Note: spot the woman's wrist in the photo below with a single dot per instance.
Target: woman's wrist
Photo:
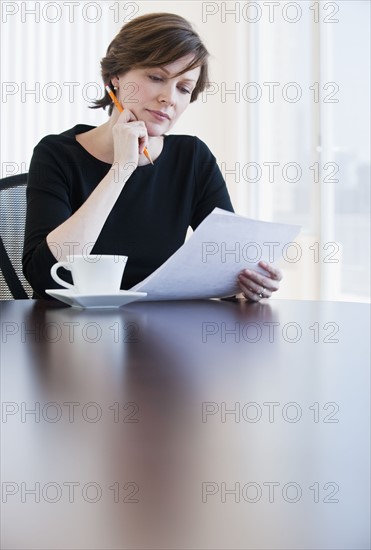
(122, 170)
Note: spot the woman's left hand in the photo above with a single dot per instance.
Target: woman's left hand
(256, 286)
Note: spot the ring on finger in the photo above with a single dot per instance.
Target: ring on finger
(261, 293)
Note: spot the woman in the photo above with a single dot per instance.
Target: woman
(92, 190)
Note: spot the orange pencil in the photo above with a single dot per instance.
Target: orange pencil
(120, 108)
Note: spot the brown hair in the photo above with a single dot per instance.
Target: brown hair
(153, 40)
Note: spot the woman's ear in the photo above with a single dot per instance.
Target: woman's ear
(115, 81)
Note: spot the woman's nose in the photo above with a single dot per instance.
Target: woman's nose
(168, 94)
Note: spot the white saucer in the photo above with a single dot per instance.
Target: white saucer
(69, 297)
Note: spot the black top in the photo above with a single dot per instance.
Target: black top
(150, 219)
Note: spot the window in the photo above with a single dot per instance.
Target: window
(311, 143)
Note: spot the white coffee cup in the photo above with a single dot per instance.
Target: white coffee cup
(98, 274)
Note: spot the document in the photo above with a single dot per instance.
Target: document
(208, 263)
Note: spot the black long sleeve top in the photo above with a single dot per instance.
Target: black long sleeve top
(150, 219)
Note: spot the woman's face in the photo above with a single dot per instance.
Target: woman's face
(150, 91)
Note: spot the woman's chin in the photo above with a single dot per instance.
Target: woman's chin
(155, 133)
(156, 130)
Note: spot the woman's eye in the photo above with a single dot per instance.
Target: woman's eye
(155, 78)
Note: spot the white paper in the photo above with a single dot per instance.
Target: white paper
(208, 263)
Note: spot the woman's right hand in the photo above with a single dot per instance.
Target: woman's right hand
(130, 137)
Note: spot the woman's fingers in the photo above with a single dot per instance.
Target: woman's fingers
(253, 289)
(256, 286)
(252, 296)
(130, 137)
(256, 281)
(126, 116)
(274, 272)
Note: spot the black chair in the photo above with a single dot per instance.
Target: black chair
(13, 284)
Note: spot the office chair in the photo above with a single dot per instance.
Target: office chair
(13, 284)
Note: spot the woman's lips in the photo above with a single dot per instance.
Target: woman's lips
(158, 116)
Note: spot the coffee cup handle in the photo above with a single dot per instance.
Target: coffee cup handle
(55, 276)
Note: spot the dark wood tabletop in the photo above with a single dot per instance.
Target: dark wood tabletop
(202, 424)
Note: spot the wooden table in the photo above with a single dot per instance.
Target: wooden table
(203, 424)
